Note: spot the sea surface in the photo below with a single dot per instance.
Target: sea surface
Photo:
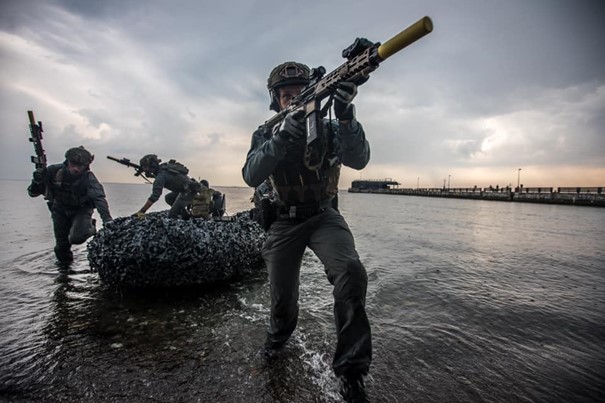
(469, 301)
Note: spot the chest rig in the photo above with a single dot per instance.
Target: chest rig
(69, 190)
(298, 185)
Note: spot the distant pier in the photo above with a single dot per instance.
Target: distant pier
(577, 196)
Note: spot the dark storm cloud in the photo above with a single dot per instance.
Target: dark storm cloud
(498, 84)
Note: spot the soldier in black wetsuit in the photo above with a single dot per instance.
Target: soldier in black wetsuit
(171, 175)
(73, 192)
(306, 215)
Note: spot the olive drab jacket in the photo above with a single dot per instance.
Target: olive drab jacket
(68, 192)
(296, 184)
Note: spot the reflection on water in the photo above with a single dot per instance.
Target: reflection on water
(468, 300)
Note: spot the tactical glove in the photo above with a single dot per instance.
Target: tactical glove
(38, 175)
(292, 129)
(139, 215)
(343, 98)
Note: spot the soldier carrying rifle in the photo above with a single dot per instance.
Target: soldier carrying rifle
(188, 197)
(306, 215)
(300, 151)
(72, 191)
(171, 175)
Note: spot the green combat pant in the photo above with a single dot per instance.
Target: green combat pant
(71, 227)
(330, 238)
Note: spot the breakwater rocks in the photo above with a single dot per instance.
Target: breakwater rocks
(158, 251)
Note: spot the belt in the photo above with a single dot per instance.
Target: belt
(301, 212)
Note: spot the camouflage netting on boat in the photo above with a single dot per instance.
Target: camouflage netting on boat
(159, 251)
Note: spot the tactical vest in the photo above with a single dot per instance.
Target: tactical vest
(296, 184)
(176, 179)
(69, 190)
(174, 167)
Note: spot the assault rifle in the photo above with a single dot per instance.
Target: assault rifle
(39, 159)
(138, 169)
(36, 130)
(363, 57)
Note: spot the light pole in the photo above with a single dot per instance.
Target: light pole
(518, 179)
(448, 182)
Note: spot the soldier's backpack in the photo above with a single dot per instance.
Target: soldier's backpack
(175, 167)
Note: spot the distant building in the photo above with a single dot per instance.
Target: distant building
(374, 184)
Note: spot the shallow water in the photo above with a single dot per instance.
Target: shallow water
(469, 301)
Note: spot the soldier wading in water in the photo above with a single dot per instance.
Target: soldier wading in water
(306, 215)
(73, 192)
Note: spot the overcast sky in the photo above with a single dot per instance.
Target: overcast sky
(497, 86)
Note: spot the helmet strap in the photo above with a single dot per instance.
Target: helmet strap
(274, 106)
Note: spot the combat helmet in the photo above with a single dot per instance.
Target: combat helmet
(150, 162)
(79, 155)
(288, 73)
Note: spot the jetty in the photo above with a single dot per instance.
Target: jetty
(577, 196)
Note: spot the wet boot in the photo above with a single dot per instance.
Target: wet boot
(271, 349)
(64, 255)
(352, 388)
